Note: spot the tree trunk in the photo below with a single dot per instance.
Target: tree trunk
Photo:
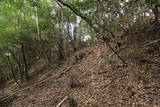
(20, 67)
(156, 13)
(12, 71)
(25, 62)
(70, 37)
(92, 24)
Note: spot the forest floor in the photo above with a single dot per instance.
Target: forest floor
(99, 77)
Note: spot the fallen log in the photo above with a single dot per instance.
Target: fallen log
(38, 83)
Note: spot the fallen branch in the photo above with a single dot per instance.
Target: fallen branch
(92, 24)
(153, 46)
(60, 103)
(153, 43)
(40, 82)
(116, 53)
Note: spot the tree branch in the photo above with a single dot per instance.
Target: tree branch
(64, 99)
(92, 24)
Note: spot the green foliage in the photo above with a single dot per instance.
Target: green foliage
(152, 1)
(59, 31)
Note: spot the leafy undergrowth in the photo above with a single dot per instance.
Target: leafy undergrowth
(99, 79)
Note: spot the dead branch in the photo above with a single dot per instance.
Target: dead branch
(92, 24)
(155, 42)
(60, 103)
(38, 83)
(78, 13)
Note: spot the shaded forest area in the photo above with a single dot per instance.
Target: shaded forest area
(79, 53)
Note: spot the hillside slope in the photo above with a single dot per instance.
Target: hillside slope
(100, 79)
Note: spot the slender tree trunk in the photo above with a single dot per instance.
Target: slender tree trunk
(60, 39)
(12, 71)
(92, 24)
(37, 24)
(70, 37)
(156, 13)
(25, 62)
(20, 67)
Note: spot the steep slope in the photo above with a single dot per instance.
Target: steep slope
(100, 79)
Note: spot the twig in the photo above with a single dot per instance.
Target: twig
(152, 43)
(60, 103)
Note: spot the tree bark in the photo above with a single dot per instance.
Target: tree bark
(20, 67)
(12, 71)
(25, 62)
(70, 37)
